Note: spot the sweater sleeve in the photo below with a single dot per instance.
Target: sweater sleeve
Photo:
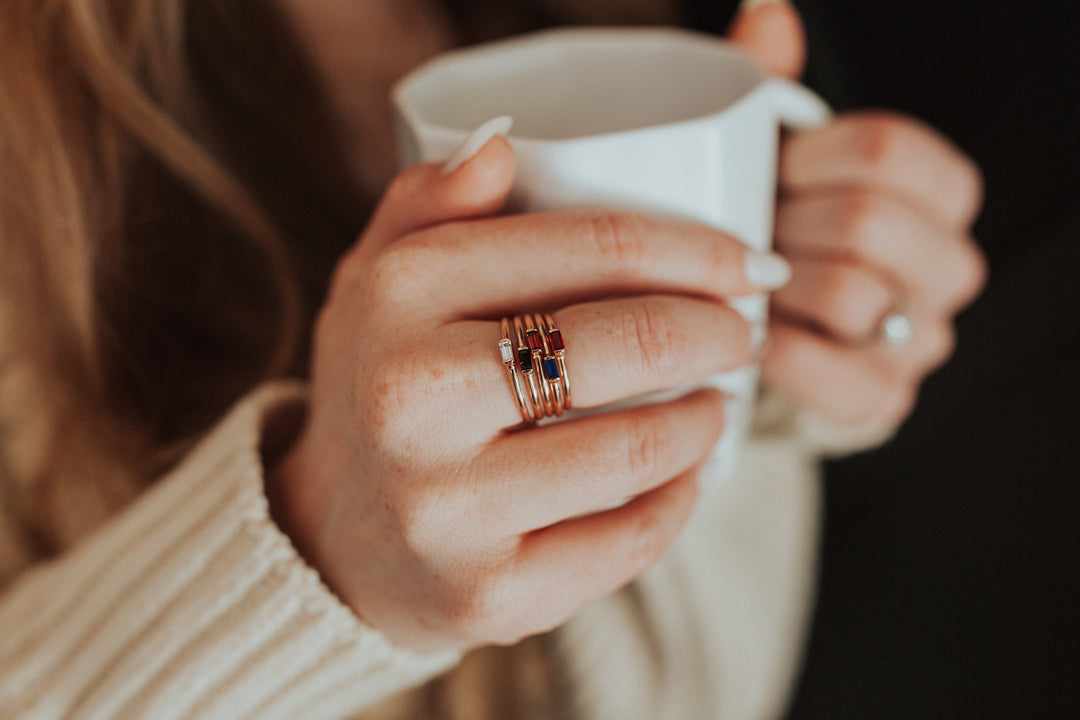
(192, 603)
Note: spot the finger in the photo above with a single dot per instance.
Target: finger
(423, 195)
(615, 349)
(848, 385)
(772, 33)
(566, 565)
(890, 153)
(588, 464)
(844, 299)
(486, 268)
(937, 268)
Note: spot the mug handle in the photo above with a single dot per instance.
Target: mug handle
(797, 107)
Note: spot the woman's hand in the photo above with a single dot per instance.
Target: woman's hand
(875, 212)
(875, 216)
(414, 490)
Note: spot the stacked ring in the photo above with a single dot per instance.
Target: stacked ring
(558, 347)
(506, 350)
(534, 353)
(527, 367)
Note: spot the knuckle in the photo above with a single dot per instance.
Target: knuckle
(719, 259)
(651, 334)
(882, 143)
(650, 540)
(863, 215)
(417, 517)
(646, 446)
(938, 345)
(618, 240)
(853, 300)
(404, 184)
(390, 278)
(401, 270)
(898, 403)
(391, 398)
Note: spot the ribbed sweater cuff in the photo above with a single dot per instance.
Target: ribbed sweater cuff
(191, 603)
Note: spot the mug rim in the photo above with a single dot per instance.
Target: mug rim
(404, 88)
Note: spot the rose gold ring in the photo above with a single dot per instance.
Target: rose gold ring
(558, 347)
(506, 351)
(535, 340)
(534, 353)
(527, 368)
(549, 366)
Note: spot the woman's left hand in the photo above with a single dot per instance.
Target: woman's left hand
(875, 214)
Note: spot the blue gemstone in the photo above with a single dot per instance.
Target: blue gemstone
(551, 368)
(525, 360)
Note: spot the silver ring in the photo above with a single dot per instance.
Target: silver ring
(895, 329)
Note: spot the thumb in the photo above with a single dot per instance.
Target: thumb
(772, 33)
(474, 182)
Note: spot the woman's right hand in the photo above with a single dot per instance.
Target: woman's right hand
(415, 490)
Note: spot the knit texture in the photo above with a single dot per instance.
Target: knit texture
(192, 604)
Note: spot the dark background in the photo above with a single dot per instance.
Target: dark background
(949, 580)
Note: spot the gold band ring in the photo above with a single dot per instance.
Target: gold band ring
(558, 346)
(534, 353)
(534, 339)
(528, 369)
(506, 351)
(550, 367)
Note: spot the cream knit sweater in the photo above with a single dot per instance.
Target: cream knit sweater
(190, 603)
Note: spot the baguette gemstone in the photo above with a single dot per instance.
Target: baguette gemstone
(525, 359)
(551, 368)
(507, 351)
(532, 337)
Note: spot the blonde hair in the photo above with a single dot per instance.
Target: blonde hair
(143, 240)
(144, 286)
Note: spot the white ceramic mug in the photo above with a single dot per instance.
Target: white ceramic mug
(656, 120)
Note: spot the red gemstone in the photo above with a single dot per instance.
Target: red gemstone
(532, 336)
(556, 340)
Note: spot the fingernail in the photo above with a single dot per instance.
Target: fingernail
(747, 5)
(767, 270)
(477, 140)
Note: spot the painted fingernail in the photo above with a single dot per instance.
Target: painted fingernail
(767, 270)
(477, 140)
(747, 5)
